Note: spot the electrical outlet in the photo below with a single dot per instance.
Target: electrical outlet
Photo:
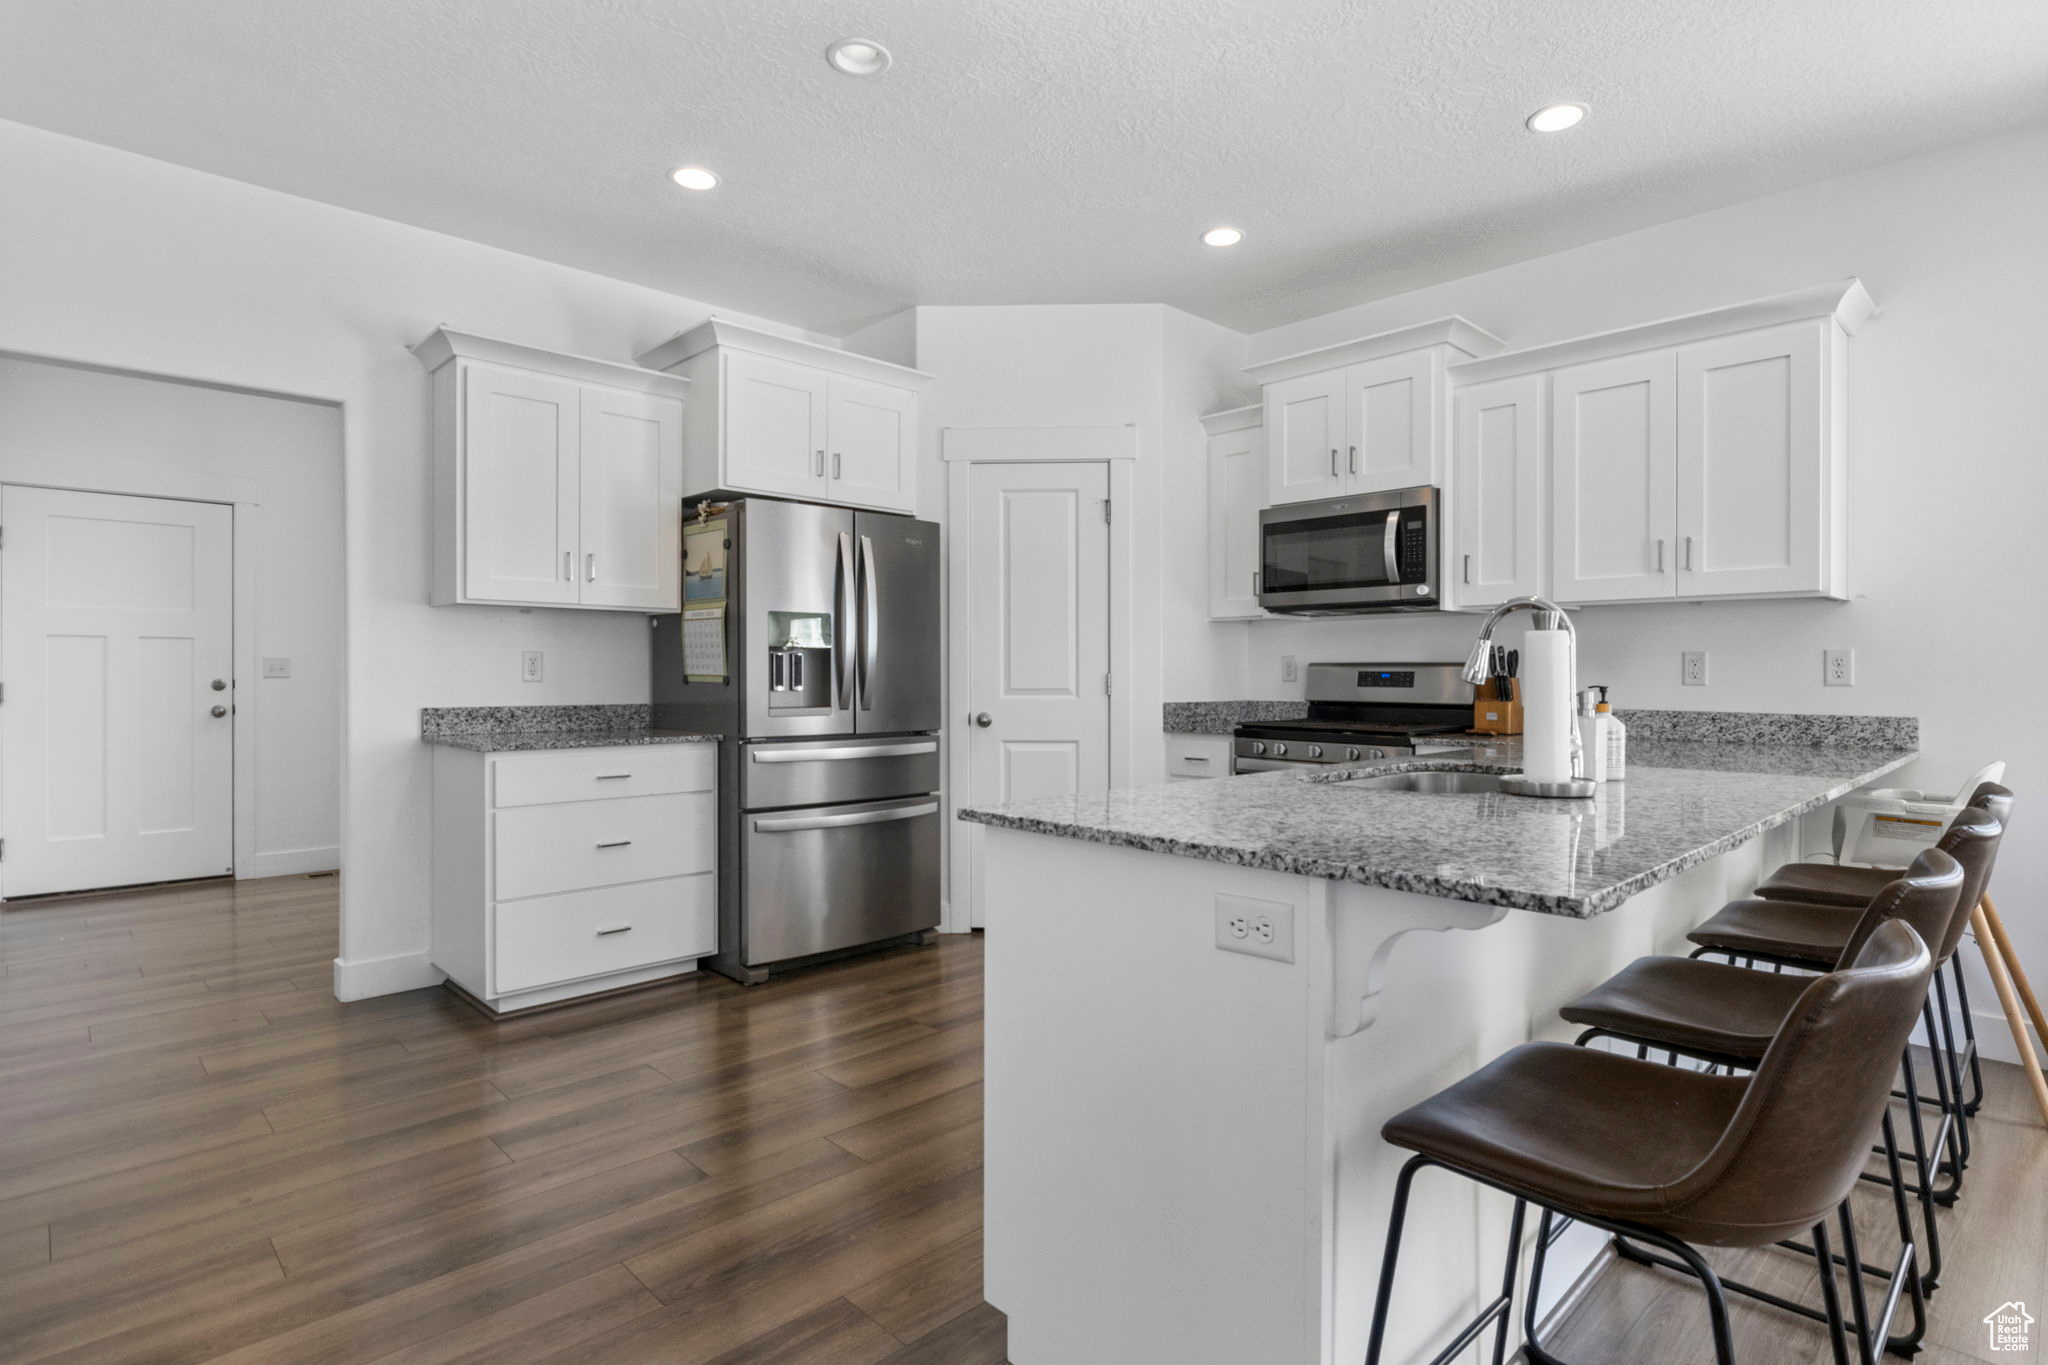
(1692, 669)
(1254, 927)
(277, 668)
(529, 666)
(1838, 667)
(1289, 670)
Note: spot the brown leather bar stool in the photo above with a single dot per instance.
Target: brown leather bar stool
(1811, 936)
(1678, 1158)
(1831, 884)
(1727, 1016)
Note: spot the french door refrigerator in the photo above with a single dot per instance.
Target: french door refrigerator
(829, 704)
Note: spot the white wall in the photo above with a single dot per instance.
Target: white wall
(291, 452)
(1948, 477)
(112, 259)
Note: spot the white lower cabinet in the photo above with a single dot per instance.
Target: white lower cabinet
(565, 873)
(1197, 755)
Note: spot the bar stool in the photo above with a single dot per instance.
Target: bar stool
(1832, 884)
(1678, 1158)
(1811, 936)
(1727, 1016)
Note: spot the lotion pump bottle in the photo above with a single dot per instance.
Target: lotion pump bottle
(1594, 749)
(1613, 738)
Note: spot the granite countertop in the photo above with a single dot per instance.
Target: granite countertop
(1681, 803)
(523, 729)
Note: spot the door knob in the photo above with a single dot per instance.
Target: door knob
(220, 684)
(219, 711)
(984, 719)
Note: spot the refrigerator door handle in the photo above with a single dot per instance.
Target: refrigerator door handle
(842, 607)
(870, 622)
(860, 817)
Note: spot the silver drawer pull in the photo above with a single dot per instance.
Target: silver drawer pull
(616, 843)
(611, 777)
(1193, 758)
(623, 928)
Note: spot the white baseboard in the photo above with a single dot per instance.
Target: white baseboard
(384, 976)
(287, 862)
(1994, 1038)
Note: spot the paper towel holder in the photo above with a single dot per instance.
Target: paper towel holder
(1479, 667)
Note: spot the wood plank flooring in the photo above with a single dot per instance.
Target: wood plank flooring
(203, 1156)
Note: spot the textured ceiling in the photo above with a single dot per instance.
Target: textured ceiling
(1026, 150)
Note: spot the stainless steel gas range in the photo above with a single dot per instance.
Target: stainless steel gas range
(1359, 711)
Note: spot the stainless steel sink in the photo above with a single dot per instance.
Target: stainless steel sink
(1436, 783)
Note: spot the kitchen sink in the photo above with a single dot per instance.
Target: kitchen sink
(1436, 783)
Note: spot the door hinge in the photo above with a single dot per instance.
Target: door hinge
(1107, 689)
(1105, 511)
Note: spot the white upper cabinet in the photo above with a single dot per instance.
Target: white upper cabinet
(1237, 487)
(1365, 416)
(770, 414)
(1698, 457)
(1498, 493)
(1614, 441)
(557, 478)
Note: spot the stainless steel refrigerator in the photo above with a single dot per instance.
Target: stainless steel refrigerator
(829, 704)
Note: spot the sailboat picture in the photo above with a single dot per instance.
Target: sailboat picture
(704, 561)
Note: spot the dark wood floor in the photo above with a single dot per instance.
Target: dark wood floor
(204, 1157)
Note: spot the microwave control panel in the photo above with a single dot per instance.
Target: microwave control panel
(1413, 545)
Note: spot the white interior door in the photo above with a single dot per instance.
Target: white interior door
(116, 618)
(1038, 648)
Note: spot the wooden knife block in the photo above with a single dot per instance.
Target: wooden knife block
(1490, 717)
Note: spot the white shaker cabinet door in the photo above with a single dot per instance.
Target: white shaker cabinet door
(1500, 505)
(1237, 488)
(1390, 425)
(631, 501)
(1751, 464)
(1614, 433)
(872, 445)
(522, 434)
(775, 425)
(1305, 436)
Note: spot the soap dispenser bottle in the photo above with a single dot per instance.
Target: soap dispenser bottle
(1612, 736)
(1593, 746)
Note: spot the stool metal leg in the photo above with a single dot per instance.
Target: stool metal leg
(1945, 1054)
(1824, 1261)
(1386, 1290)
(1976, 1100)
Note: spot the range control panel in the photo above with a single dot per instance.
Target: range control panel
(1401, 679)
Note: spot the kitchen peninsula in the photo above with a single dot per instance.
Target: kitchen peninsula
(1204, 998)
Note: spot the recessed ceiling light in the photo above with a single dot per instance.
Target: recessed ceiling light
(694, 178)
(1222, 236)
(858, 56)
(1555, 118)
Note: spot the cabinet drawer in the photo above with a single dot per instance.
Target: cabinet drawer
(545, 849)
(590, 774)
(1197, 756)
(613, 929)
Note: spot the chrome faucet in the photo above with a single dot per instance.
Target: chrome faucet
(1549, 616)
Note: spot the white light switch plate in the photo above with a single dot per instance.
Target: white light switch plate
(277, 668)
(1255, 927)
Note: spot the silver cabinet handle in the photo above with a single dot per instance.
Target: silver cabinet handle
(568, 566)
(794, 755)
(842, 624)
(590, 566)
(1255, 582)
(1354, 459)
(821, 464)
(870, 621)
(616, 843)
(1660, 554)
(984, 719)
(835, 464)
(1468, 568)
(859, 817)
(619, 929)
(611, 777)
(1193, 758)
(1688, 553)
(218, 712)
(1333, 462)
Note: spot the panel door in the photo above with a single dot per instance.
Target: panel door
(1614, 461)
(1237, 487)
(873, 445)
(630, 500)
(775, 426)
(1751, 456)
(1038, 649)
(1498, 499)
(1390, 423)
(116, 620)
(521, 435)
(1305, 436)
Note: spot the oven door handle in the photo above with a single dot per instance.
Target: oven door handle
(1391, 547)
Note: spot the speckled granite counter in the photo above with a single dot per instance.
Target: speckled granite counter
(1682, 803)
(520, 729)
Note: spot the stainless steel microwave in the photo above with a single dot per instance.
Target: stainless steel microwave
(1345, 556)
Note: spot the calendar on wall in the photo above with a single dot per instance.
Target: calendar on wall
(704, 577)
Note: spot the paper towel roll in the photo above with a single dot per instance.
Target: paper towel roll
(1547, 706)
